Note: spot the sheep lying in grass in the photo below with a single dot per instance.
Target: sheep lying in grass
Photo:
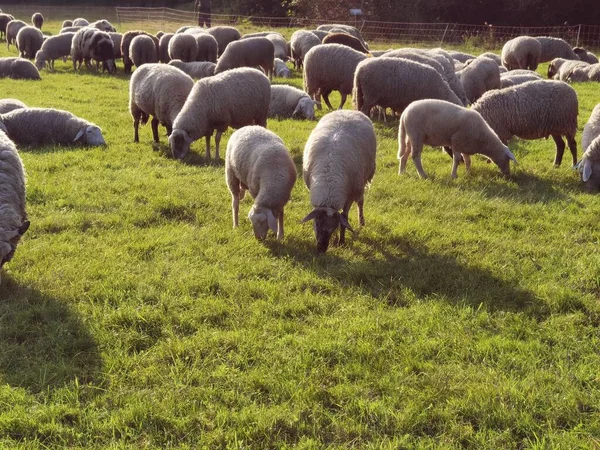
(18, 69)
(258, 161)
(560, 68)
(10, 104)
(584, 73)
(590, 161)
(441, 123)
(585, 55)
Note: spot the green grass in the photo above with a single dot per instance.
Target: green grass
(463, 315)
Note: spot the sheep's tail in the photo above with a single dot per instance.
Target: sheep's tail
(402, 138)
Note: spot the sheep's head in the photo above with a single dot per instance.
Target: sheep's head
(551, 70)
(91, 135)
(180, 141)
(109, 66)
(326, 221)
(7, 248)
(590, 169)
(40, 59)
(306, 108)
(504, 159)
(262, 220)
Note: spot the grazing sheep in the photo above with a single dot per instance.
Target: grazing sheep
(493, 56)
(157, 90)
(126, 43)
(290, 102)
(395, 83)
(555, 48)
(251, 52)
(224, 36)
(320, 34)
(47, 126)
(142, 50)
(279, 45)
(478, 77)
(91, 43)
(300, 43)
(522, 52)
(117, 39)
(184, 47)
(260, 34)
(460, 56)
(13, 217)
(70, 30)
(338, 162)
(584, 73)
(590, 161)
(258, 161)
(163, 47)
(560, 68)
(518, 76)
(345, 39)
(10, 104)
(281, 69)
(344, 28)
(533, 110)
(195, 69)
(54, 47)
(4, 20)
(329, 68)
(67, 23)
(103, 25)
(80, 22)
(184, 28)
(207, 47)
(586, 56)
(12, 29)
(18, 69)
(437, 122)
(37, 20)
(29, 41)
(235, 98)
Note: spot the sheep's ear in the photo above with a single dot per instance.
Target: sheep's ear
(345, 222)
(79, 135)
(587, 170)
(297, 111)
(23, 228)
(311, 215)
(316, 103)
(510, 155)
(187, 137)
(271, 220)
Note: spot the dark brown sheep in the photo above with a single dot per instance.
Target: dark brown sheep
(345, 39)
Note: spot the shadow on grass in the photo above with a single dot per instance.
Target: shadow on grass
(44, 344)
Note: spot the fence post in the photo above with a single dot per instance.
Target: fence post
(578, 33)
(118, 17)
(445, 31)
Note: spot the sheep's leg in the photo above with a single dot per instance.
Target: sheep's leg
(235, 208)
(404, 157)
(344, 96)
(217, 141)
(317, 98)
(361, 215)
(560, 149)
(417, 148)
(280, 225)
(455, 163)
(207, 154)
(169, 129)
(448, 150)
(154, 124)
(467, 159)
(326, 99)
(136, 125)
(573, 147)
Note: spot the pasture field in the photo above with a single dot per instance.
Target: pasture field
(465, 314)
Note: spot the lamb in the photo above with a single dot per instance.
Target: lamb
(533, 110)
(235, 98)
(555, 48)
(10, 104)
(395, 83)
(560, 68)
(281, 69)
(54, 47)
(300, 43)
(195, 69)
(37, 20)
(224, 36)
(126, 43)
(47, 126)
(12, 29)
(184, 47)
(103, 25)
(586, 56)
(157, 90)
(346, 29)
(522, 52)
(18, 69)
(329, 68)
(67, 23)
(142, 50)
(249, 52)
(163, 47)
(13, 216)
(4, 20)
(258, 161)
(478, 77)
(590, 161)
(338, 162)
(80, 22)
(345, 39)
(91, 43)
(518, 76)
(584, 73)
(290, 102)
(437, 122)
(29, 41)
(279, 45)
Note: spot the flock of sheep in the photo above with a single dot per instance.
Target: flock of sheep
(197, 81)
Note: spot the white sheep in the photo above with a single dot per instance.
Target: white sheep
(460, 56)
(224, 36)
(103, 25)
(235, 98)
(195, 69)
(560, 68)
(533, 110)
(37, 20)
(117, 39)
(126, 43)
(29, 41)
(80, 22)
(300, 43)
(13, 217)
(18, 69)
(183, 46)
(251, 52)
(290, 102)
(480, 76)
(91, 43)
(54, 47)
(12, 29)
(590, 72)
(279, 45)
(338, 162)
(48, 126)
(518, 76)
(522, 52)
(207, 47)
(4, 20)
(258, 161)
(441, 123)
(281, 69)
(589, 165)
(585, 55)
(10, 104)
(163, 47)
(67, 23)
(553, 47)
(142, 50)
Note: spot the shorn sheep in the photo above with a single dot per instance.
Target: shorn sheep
(258, 161)
(590, 161)
(440, 123)
(338, 162)
(533, 110)
(37, 20)
(142, 50)
(251, 52)
(157, 90)
(235, 98)
(522, 52)
(47, 126)
(290, 102)
(13, 217)
(18, 69)
(29, 41)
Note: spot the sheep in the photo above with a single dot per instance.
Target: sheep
(18, 69)
(54, 47)
(289, 102)
(117, 39)
(224, 36)
(338, 162)
(159, 34)
(126, 43)
(438, 122)
(13, 215)
(345, 39)
(184, 28)
(555, 48)
(195, 69)
(4, 20)
(281, 69)
(584, 73)
(103, 25)
(12, 29)
(518, 76)
(560, 68)
(70, 30)
(91, 43)
(80, 22)
(157, 90)
(163, 47)
(300, 43)
(395, 83)
(10, 104)
(279, 45)
(207, 47)
(233, 98)
(260, 34)
(183, 46)
(460, 56)
(589, 165)
(344, 28)
(493, 56)
(522, 52)
(533, 110)
(586, 56)
(67, 23)
(478, 77)
(320, 34)
(258, 161)
(48, 126)
(37, 20)
(249, 52)
(29, 41)
(142, 50)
